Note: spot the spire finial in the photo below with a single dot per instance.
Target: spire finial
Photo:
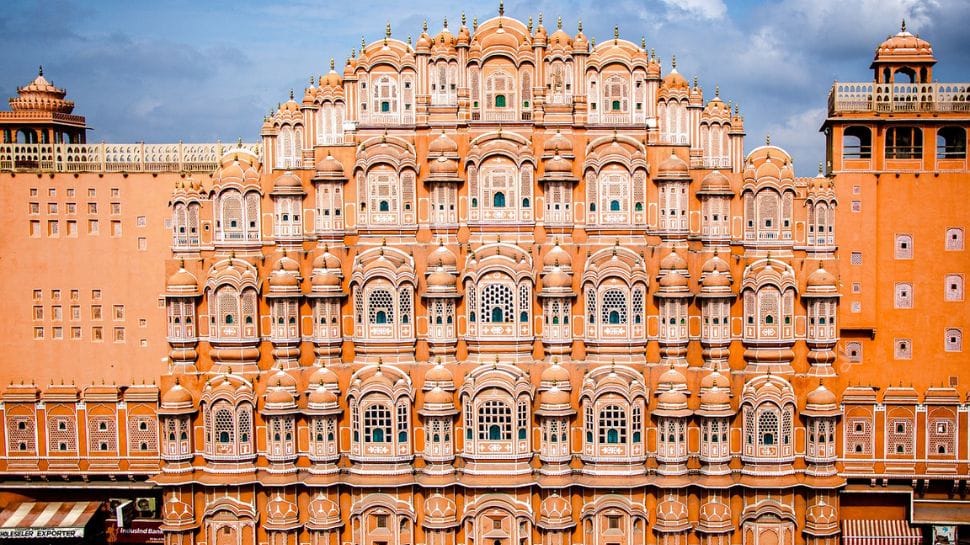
(673, 61)
(643, 43)
(463, 19)
(616, 32)
(540, 18)
(528, 25)
(40, 68)
(332, 63)
(475, 23)
(501, 8)
(717, 91)
(579, 25)
(353, 54)
(424, 26)
(387, 30)
(446, 22)
(363, 45)
(291, 94)
(819, 168)
(409, 40)
(902, 27)
(559, 23)
(695, 82)
(767, 139)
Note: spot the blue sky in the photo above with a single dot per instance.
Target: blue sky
(162, 71)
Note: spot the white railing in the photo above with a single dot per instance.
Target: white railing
(899, 97)
(102, 157)
(405, 118)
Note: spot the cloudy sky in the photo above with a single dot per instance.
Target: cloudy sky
(162, 71)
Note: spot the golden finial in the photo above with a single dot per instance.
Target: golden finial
(559, 23)
(616, 32)
(387, 30)
(501, 8)
(902, 28)
(332, 64)
(673, 61)
(592, 41)
(528, 25)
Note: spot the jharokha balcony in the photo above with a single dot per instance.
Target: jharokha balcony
(899, 97)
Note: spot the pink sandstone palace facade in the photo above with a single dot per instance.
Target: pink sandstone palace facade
(501, 286)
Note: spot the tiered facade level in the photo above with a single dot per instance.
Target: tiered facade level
(503, 287)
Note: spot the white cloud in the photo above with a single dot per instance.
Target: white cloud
(798, 135)
(703, 9)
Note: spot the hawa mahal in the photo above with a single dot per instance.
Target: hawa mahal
(504, 285)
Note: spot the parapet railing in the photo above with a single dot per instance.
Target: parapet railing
(103, 157)
(899, 97)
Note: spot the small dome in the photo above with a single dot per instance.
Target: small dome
(672, 399)
(441, 279)
(715, 380)
(443, 144)
(672, 378)
(768, 169)
(287, 264)
(442, 256)
(674, 80)
(438, 396)
(282, 279)
(279, 396)
(560, 38)
(715, 263)
(443, 166)
(716, 279)
(580, 43)
(439, 373)
(555, 373)
(329, 167)
(182, 280)
(557, 257)
(716, 396)
(326, 260)
(281, 379)
(557, 278)
(332, 78)
(322, 376)
(673, 167)
(322, 396)
(673, 279)
(821, 278)
(288, 180)
(499, 38)
(326, 278)
(673, 262)
(821, 396)
(906, 45)
(554, 396)
(557, 164)
(715, 182)
(557, 143)
(177, 395)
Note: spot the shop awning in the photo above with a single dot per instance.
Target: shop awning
(880, 532)
(46, 520)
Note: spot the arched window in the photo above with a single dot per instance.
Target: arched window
(377, 424)
(612, 425)
(500, 101)
(857, 143)
(498, 303)
(951, 143)
(498, 200)
(767, 428)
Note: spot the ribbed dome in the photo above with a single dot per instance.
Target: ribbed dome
(443, 166)
(559, 143)
(557, 278)
(438, 396)
(322, 375)
(442, 256)
(673, 280)
(557, 257)
(182, 280)
(439, 373)
(715, 182)
(329, 167)
(673, 262)
(673, 167)
(41, 95)
(177, 395)
(322, 395)
(555, 373)
(716, 396)
(554, 396)
(674, 80)
(906, 45)
(279, 396)
(288, 180)
(716, 279)
(443, 144)
(673, 378)
(821, 396)
(326, 260)
(557, 164)
(441, 279)
(715, 379)
(821, 278)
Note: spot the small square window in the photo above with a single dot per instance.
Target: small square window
(856, 306)
(96, 295)
(55, 295)
(70, 192)
(91, 192)
(93, 227)
(857, 287)
(75, 295)
(97, 334)
(855, 258)
(857, 190)
(75, 333)
(38, 295)
(903, 349)
(115, 192)
(38, 332)
(35, 228)
(52, 208)
(92, 208)
(33, 192)
(52, 192)
(71, 208)
(57, 332)
(857, 206)
(119, 335)
(33, 208)
(141, 221)
(115, 208)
